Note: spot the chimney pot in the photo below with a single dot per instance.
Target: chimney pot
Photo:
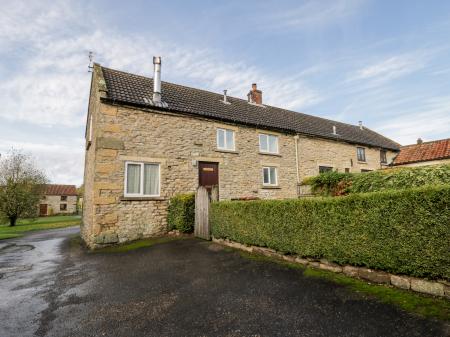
(360, 125)
(255, 95)
(419, 141)
(334, 130)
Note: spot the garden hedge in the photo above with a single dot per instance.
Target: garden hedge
(181, 212)
(336, 183)
(403, 232)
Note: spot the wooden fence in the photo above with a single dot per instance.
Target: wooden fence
(202, 200)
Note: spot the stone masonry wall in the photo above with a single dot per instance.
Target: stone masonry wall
(53, 203)
(315, 152)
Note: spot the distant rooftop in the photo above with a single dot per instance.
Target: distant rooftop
(423, 151)
(52, 189)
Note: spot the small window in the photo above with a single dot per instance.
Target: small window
(225, 139)
(323, 169)
(63, 207)
(365, 171)
(268, 143)
(64, 198)
(383, 157)
(142, 179)
(270, 176)
(361, 153)
(347, 170)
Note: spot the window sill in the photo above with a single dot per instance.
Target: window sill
(227, 151)
(266, 187)
(142, 198)
(362, 162)
(270, 154)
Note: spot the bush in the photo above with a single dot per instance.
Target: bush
(334, 183)
(404, 232)
(181, 212)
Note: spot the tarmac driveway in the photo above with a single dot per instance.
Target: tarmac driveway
(181, 288)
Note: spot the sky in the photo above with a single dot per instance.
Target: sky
(386, 63)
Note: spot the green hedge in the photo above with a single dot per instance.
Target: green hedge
(334, 183)
(181, 213)
(404, 232)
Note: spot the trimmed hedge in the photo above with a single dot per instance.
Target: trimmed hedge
(403, 232)
(181, 212)
(334, 183)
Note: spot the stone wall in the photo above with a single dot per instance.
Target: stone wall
(426, 163)
(315, 152)
(178, 143)
(436, 288)
(53, 203)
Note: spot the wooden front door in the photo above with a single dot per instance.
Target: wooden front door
(208, 174)
(42, 209)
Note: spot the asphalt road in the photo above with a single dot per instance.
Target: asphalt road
(182, 288)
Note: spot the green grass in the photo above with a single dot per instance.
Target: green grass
(422, 305)
(27, 225)
(144, 243)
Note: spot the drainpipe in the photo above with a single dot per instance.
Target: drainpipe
(296, 161)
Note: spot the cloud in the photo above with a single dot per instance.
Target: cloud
(62, 163)
(430, 120)
(312, 14)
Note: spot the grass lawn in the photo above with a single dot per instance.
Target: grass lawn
(27, 225)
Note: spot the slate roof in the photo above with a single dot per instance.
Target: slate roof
(52, 189)
(427, 151)
(130, 89)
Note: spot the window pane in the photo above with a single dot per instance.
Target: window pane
(151, 179)
(220, 139)
(273, 176)
(266, 179)
(263, 143)
(230, 139)
(133, 178)
(273, 144)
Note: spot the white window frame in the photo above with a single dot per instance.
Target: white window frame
(276, 175)
(267, 135)
(141, 180)
(225, 139)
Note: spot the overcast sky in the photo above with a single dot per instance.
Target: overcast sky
(386, 63)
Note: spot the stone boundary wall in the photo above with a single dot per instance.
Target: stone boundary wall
(436, 288)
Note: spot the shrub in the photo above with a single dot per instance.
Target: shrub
(404, 232)
(334, 183)
(181, 212)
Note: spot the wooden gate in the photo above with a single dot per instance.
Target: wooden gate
(202, 201)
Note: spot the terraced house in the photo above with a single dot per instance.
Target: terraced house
(148, 140)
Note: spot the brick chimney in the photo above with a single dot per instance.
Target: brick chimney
(255, 95)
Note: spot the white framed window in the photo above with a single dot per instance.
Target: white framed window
(142, 179)
(225, 139)
(268, 143)
(270, 177)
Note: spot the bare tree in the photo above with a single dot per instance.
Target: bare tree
(21, 186)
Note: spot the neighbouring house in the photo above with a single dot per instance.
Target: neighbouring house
(148, 140)
(58, 199)
(424, 153)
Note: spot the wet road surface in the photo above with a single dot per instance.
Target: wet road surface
(49, 287)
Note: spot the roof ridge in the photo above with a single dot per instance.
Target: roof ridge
(428, 142)
(234, 97)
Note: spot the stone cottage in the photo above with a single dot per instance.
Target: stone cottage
(148, 140)
(58, 199)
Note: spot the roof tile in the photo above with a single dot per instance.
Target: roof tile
(435, 150)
